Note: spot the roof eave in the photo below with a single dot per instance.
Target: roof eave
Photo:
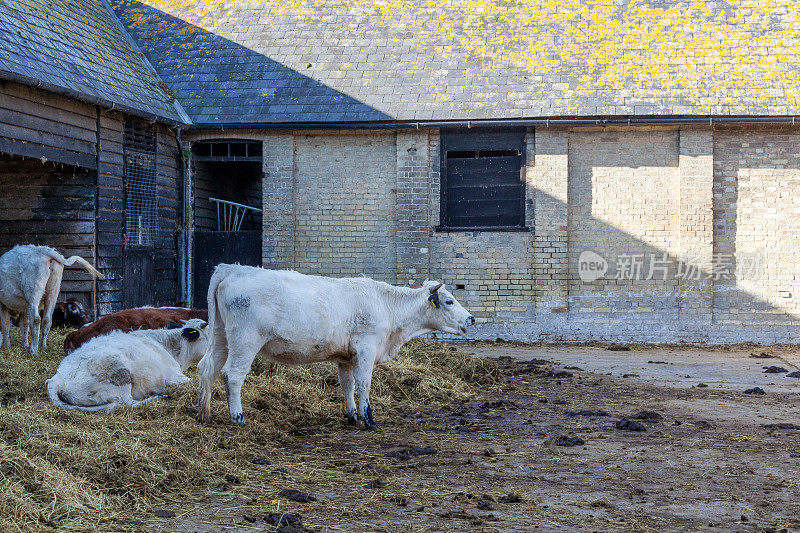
(90, 99)
(708, 120)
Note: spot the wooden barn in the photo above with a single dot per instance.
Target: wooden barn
(90, 158)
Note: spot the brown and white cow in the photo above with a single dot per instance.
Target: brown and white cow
(130, 320)
(293, 318)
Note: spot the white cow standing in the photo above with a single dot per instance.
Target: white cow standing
(30, 279)
(294, 318)
(127, 368)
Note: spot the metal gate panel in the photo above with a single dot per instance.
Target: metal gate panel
(214, 247)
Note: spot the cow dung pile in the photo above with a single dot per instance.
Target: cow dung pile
(71, 471)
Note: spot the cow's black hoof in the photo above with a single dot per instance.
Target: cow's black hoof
(369, 422)
(238, 419)
(352, 419)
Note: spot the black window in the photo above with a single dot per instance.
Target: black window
(227, 151)
(482, 184)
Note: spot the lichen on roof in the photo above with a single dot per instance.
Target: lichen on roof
(510, 58)
(79, 47)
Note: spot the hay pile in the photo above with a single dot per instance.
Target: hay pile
(77, 472)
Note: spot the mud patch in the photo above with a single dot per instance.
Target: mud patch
(297, 496)
(404, 453)
(648, 416)
(568, 440)
(587, 412)
(626, 424)
(783, 425)
(618, 348)
(284, 519)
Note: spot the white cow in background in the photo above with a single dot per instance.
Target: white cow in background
(30, 279)
(127, 368)
(293, 318)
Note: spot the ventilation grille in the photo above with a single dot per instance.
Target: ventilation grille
(141, 210)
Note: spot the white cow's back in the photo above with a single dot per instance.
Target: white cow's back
(307, 318)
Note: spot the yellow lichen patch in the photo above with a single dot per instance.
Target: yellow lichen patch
(699, 52)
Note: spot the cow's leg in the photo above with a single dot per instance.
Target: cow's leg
(51, 291)
(347, 381)
(23, 330)
(242, 350)
(365, 363)
(34, 325)
(209, 368)
(5, 327)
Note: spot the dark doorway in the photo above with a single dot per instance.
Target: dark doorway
(227, 209)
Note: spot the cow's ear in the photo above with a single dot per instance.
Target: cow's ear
(190, 334)
(173, 325)
(434, 300)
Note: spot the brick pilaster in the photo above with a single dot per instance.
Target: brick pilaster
(278, 192)
(548, 182)
(696, 222)
(413, 218)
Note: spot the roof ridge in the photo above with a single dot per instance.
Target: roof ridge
(162, 84)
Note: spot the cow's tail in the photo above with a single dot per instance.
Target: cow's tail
(77, 259)
(216, 354)
(54, 387)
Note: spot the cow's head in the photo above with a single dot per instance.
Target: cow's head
(444, 313)
(74, 313)
(194, 341)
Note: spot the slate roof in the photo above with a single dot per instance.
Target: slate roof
(79, 47)
(272, 61)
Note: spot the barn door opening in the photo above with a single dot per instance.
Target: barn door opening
(141, 214)
(227, 209)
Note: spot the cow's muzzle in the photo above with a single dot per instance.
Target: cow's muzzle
(470, 320)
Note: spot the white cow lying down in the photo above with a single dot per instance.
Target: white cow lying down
(30, 279)
(127, 368)
(293, 318)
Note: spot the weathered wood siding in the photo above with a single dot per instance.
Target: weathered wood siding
(205, 215)
(47, 195)
(110, 216)
(39, 124)
(52, 205)
(53, 202)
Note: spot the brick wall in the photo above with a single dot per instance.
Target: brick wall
(666, 208)
(623, 198)
(344, 205)
(757, 215)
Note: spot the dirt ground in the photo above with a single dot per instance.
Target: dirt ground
(707, 459)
